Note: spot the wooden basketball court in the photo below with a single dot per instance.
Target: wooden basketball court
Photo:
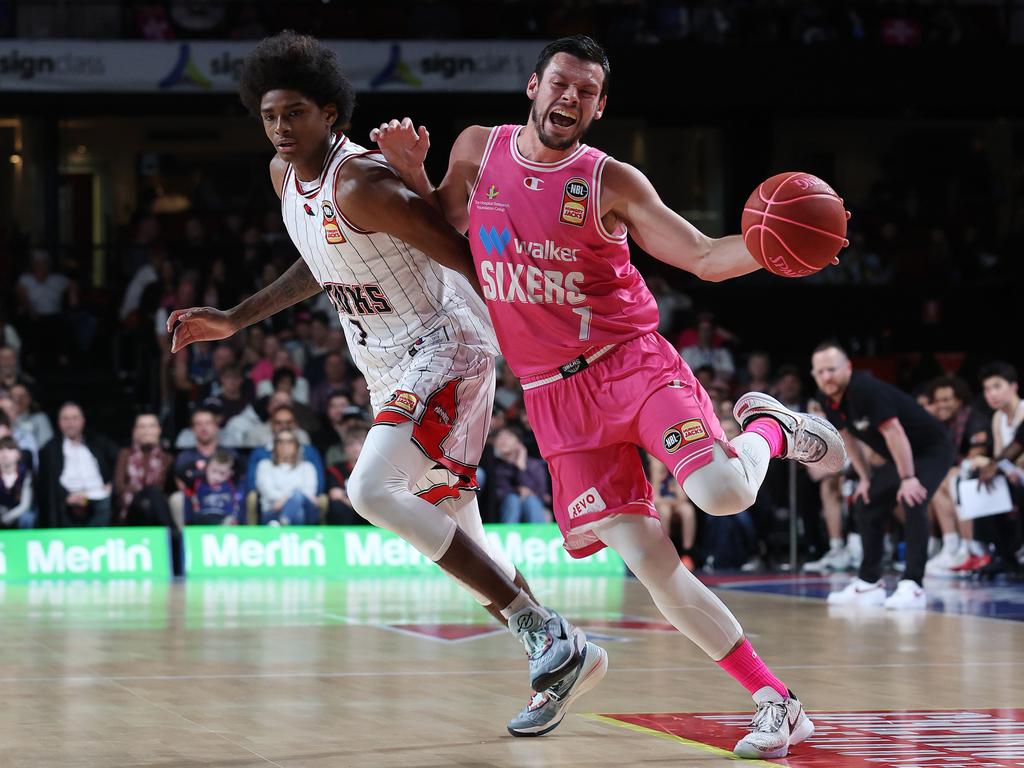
(398, 672)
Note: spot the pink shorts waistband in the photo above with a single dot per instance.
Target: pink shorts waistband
(571, 368)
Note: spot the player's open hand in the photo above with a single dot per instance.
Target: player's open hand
(404, 146)
(188, 326)
(911, 492)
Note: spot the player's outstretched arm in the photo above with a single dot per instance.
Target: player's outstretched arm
(209, 324)
(630, 197)
(374, 199)
(405, 148)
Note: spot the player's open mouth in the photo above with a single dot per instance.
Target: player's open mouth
(287, 145)
(562, 118)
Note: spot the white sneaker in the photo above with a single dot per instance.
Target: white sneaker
(944, 562)
(908, 596)
(859, 592)
(834, 560)
(778, 725)
(810, 439)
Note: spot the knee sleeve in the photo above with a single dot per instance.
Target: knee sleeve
(691, 607)
(380, 490)
(729, 484)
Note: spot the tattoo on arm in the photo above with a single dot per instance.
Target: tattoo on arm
(295, 285)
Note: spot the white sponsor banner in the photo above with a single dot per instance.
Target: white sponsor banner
(213, 67)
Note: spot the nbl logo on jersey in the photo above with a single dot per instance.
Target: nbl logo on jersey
(575, 200)
(683, 433)
(332, 232)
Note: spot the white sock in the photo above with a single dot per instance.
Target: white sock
(950, 542)
(521, 601)
(976, 548)
(835, 545)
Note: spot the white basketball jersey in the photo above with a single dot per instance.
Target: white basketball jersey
(388, 295)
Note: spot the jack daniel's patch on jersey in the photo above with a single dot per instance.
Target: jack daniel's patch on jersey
(332, 232)
(574, 202)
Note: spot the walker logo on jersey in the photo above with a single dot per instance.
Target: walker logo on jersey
(575, 200)
(331, 229)
(494, 243)
(493, 192)
(587, 503)
(684, 432)
(549, 249)
(532, 182)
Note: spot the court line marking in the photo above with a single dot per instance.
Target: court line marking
(97, 677)
(115, 682)
(679, 739)
(193, 723)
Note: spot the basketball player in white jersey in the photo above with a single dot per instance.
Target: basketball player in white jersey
(415, 329)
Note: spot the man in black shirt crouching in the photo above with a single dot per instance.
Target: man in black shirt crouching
(918, 455)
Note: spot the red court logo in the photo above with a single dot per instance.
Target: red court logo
(976, 738)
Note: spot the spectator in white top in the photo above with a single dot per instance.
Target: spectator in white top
(40, 291)
(287, 484)
(76, 473)
(144, 276)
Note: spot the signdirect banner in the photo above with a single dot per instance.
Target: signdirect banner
(85, 553)
(214, 66)
(366, 551)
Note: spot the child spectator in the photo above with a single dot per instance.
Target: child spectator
(215, 499)
(15, 487)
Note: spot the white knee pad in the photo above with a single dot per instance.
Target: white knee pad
(380, 490)
(729, 484)
(691, 607)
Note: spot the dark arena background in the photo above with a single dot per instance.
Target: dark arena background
(137, 629)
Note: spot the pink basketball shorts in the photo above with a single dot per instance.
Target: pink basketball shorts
(588, 426)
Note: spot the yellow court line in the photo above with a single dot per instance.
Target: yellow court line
(688, 742)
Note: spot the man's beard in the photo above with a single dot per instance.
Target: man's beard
(550, 141)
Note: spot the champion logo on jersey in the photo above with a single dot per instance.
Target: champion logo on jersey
(575, 200)
(532, 182)
(308, 210)
(332, 232)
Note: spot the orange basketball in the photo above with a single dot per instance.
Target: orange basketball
(794, 224)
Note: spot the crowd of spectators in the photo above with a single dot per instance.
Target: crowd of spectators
(709, 22)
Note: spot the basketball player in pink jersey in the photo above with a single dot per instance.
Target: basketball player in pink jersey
(547, 218)
(417, 331)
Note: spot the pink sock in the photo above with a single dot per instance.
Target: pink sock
(748, 670)
(770, 430)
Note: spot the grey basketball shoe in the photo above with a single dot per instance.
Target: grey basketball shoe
(553, 645)
(810, 439)
(546, 710)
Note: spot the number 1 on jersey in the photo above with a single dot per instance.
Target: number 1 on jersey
(584, 313)
(362, 331)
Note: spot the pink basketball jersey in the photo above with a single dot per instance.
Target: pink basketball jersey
(557, 284)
